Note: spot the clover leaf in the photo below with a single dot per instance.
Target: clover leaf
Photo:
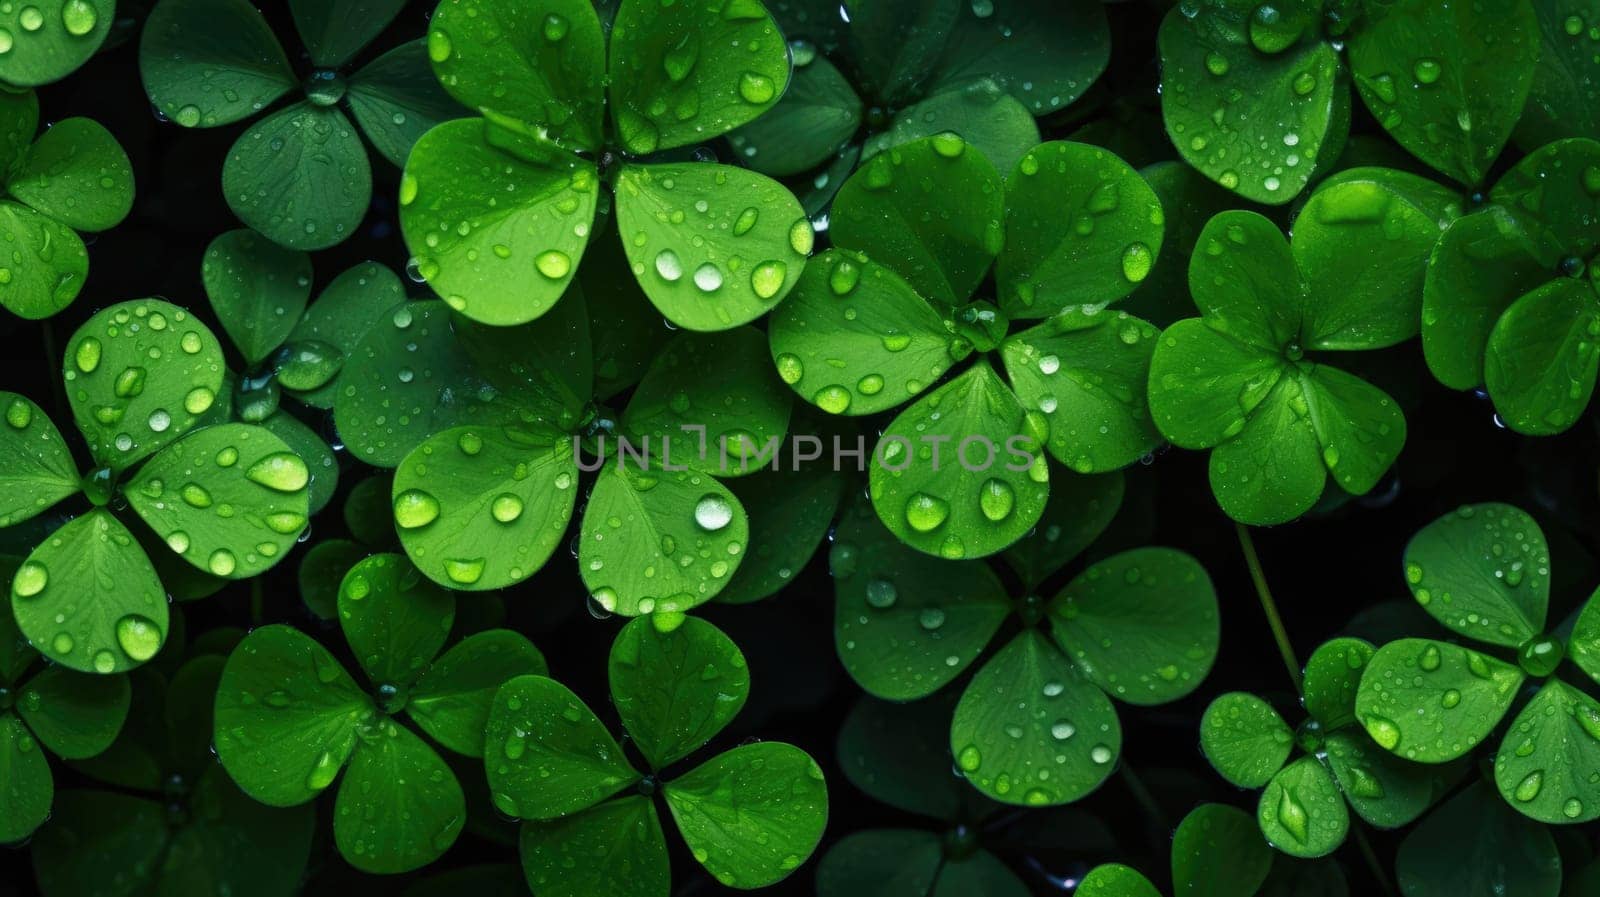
(1474, 841)
(750, 815)
(74, 177)
(288, 716)
(47, 40)
(298, 176)
(1254, 95)
(230, 499)
(1483, 572)
(861, 336)
(498, 210)
(175, 820)
(1238, 379)
(71, 714)
(1214, 851)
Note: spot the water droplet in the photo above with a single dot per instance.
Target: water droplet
(668, 266)
(30, 580)
(415, 508)
(139, 637)
(996, 498)
(712, 512)
(280, 472)
(925, 513)
(506, 507)
(1528, 788)
(766, 279)
(464, 571)
(756, 88)
(322, 772)
(881, 593)
(553, 263)
(222, 562)
(708, 278)
(1136, 262)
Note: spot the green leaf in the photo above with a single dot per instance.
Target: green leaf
(1302, 811)
(547, 755)
(1273, 471)
(675, 690)
(624, 330)
(1079, 510)
(1509, 854)
(258, 290)
(52, 41)
(1087, 373)
(1245, 739)
(40, 290)
(396, 99)
(1541, 362)
(713, 246)
(1045, 55)
(899, 754)
(300, 177)
(36, 468)
(319, 458)
(751, 815)
(895, 43)
(452, 699)
(1361, 430)
(640, 527)
(25, 801)
(19, 119)
(88, 599)
(211, 62)
(623, 848)
(231, 499)
(399, 807)
(93, 831)
(484, 507)
(1549, 755)
(1188, 200)
(885, 863)
(1362, 243)
(395, 620)
(1029, 710)
(984, 493)
(1563, 77)
(77, 174)
(1115, 880)
(854, 338)
(981, 113)
(1383, 789)
(545, 368)
(1292, 877)
(1547, 189)
(1584, 643)
(905, 625)
(321, 572)
(1081, 228)
(1488, 567)
(1332, 677)
(981, 872)
(1431, 701)
(1259, 123)
(689, 72)
(335, 30)
(1448, 83)
(286, 716)
(929, 207)
(790, 513)
(342, 314)
(1205, 385)
(497, 220)
(1245, 281)
(1217, 851)
(73, 714)
(818, 114)
(138, 375)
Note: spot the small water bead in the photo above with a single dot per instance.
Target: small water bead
(1529, 787)
(931, 618)
(668, 266)
(1100, 754)
(996, 498)
(553, 263)
(926, 513)
(555, 27)
(464, 571)
(790, 368)
(139, 637)
(708, 278)
(62, 643)
(79, 17)
(767, 278)
(506, 507)
(31, 19)
(104, 661)
(832, 399)
(280, 472)
(222, 562)
(1427, 71)
(756, 88)
(712, 512)
(881, 594)
(1061, 730)
(415, 508)
(1137, 260)
(30, 580)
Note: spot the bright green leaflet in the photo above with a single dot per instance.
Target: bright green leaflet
(1483, 571)
(1432, 702)
(790, 513)
(36, 468)
(1116, 880)
(342, 314)
(1302, 811)
(398, 631)
(622, 847)
(1030, 710)
(641, 524)
(451, 701)
(1046, 55)
(1082, 227)
(1482, 263)
(540, 770)
(1513, 855)
(1079, 510)
(1332, 677)
(399, 806)
(1447, 82)
(241, 65)
(727, 425)
(676, 690)
(29, 787)
(39, 291)
(257, 288)
(323, 467)
(1544, 766)
(1541, 362)
(1583, 646)
(77, 174)
(139, 375)
(818, 114)
(91, 575)
(300, 176)
(751, 815)
(1245, 739)
(52, 40)
(335, 30)
(984, 492)
(231, 499)
(990, 120)
(1383, 789)
(1564, 77)
(1217, 852)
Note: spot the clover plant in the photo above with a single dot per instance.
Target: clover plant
(46, 40)
(289, 718)
(881, 319)
(751, 815)
(300, 175)
(1214, 851)
(713, 246)
(1474, 843)
(1483, 572)
(230, 499)
(74, 177)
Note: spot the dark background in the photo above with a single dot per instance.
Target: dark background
(1325, 570)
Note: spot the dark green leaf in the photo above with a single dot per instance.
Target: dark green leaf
(211, 62)
(899, 754)
(335, 30)
(675, 690)
(394, 619)
(1482, 263)
(790, 512)
(343, 312)
(1116, 880)
(815, 117)
(990, 120)
(25, 800)
(1431, 701)
(614, 848)
(1383, 789)
(36, 468)
(399, 806)
(1546, 763)
(1045, 54)
(895, 43)
(40, 290)
(546, 754)
(1332, 676)
(1483, 571)
(1541, 361)
(1079, 510)
(258, 290)
(77, 174)
(1564, 78)
(883, 863)
(1245, 739)
(54, 39)
(1273, 470)
(396, 99)
(1302, 811)
(1217, 851)
(452, 699)
(300, 177)
(1476, 844)
(75, 715)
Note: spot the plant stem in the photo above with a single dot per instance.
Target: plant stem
(52, 358)
(1143, 797)
(1268, 606)
(1371, 857)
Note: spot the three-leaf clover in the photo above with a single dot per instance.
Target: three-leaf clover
(1302, 807)
(46, 40)
(1484, 572)
(169, 819)
(750, 815)
(876, 322)
(1035, 726)
(1510, 299)
(72, 714)
(1254, 94)
(259, 291)
(288, 716)
(74, 177)
(1238, 379)
(230, 499)
(497, 210)
(1215, 850)
(300, 175)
